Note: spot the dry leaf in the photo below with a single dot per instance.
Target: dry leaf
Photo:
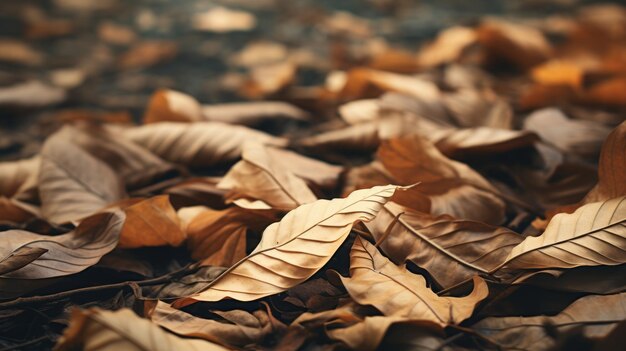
(558, 72)
(96, 329)
(200, 144)
(593, 235)
(611, 168)
(313, 171)
(18, 182)
(260, 176)
(396, 292)
(239, 328)
(31, 94)
(14, 51)
(471, 108)
(453, 187)
(173, 106)
(65, 254)
(221, 20)
(151, 222)
(451, 250)
(447, 47)
(72, 183)
(595, 315)
(218, 238)
(251, 113)
(583, 138)
(519, 44)
(292, 250)
(148, 53)
(269, 79)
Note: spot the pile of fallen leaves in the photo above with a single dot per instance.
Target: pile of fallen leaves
(470, 196)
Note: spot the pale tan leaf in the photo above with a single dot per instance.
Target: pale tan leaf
(151, 222)
(260, 176)
(292, 250)
(320, 173)
(359, 111)
(18, 188)
(483, 140)
(451, 250)
(222, 19)
(473, 108)
(593, 235)
(66, 254)
(72, 183)
(201, 144)
(447, 47)
(253, 112)
(239, 328)
(595, 315)
(96, 329)
(396, 292)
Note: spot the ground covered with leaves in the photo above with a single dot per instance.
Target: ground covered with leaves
(466, 195)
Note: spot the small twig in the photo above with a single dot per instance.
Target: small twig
(58, 296)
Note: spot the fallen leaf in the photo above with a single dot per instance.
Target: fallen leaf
(269, 79)
(558, 72)
(451, 185)
(595, 315)
(18, 182)
(116, 34)
(14, 51)
(260, 176)
(72, 183)
(447, 47)
(96, 329)
(239, 328)
(31, 94)
(201, 144)
(583, 138)
(313, 171)
(471, 108)
(151, 222)
(292, 250)
(593, 235)
(251, 113)
(173, 106)
(148, 53)
(396, 292)
(451, 250)
(218, 238)
(222, 20)
(186, 285)
(514, 43)
(65, 254)
(611, 167)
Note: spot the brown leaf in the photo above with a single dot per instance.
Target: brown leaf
(611, 167)
(238, 329)
(583, 138)
(292, 250)
(96, 329)
(201, 144)
(519, 44)
(593, 235)
(151, 222)
(451, 250)
(218, 238)
(14, 51)
(452, 186)
(447, 47)
(148, 53)
(72, 183)
(396, 292)
(313, 171)
(260, 176)
(18, 184)
(65, 254)
(253, 112)
(473, 108)
(222, 19)
(173, 106)
(595, 315)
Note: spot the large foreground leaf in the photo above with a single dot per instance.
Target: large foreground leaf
(292, 250)
(593, 235)
(451, 250)
(96, 329)
(396, 292)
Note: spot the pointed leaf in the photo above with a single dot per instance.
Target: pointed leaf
(292, 250)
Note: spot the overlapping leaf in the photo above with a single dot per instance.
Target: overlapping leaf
(293, 249)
